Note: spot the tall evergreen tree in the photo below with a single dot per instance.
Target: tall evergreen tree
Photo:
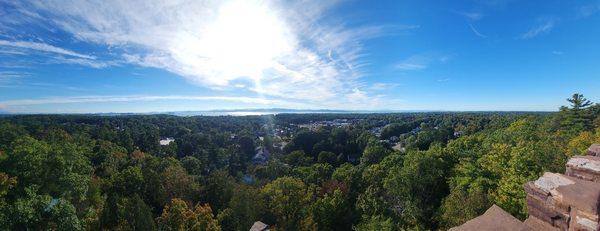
(577, 117)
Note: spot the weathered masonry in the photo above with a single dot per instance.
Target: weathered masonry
(569, 201)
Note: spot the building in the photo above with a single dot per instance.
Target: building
(262, 155)
(166, 141)
(259, 226)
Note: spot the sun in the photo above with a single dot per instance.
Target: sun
(244, 39)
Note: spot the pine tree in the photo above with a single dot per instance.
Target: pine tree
(577, 117)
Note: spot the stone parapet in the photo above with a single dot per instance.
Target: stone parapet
(554, 201)
(584, 167)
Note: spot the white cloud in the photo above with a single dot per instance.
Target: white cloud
(383, 86)
(361, 100)
(476, 32)
(410, 66)
(545, 27)
(421, 61)
(44, 48)
(54, 54)
(589, 10)
(474, 16)
(10, 77)
(85, 62)
(287, 49)
(12, 74)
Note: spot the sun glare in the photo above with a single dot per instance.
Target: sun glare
(242, 41)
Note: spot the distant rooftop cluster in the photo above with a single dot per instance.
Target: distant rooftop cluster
(569, 201)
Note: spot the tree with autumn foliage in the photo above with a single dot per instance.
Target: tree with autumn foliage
(179, 216)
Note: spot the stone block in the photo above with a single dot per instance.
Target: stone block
(584, 167)
(495, 218)
(594, 150)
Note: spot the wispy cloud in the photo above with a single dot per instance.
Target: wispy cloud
(53, 54)
(558, 52)
(589, 10)
(407, 66)
(421, 61)
(12, 74)
(43, 48)
(476, 32)
(543, 28)
(86, 62)
(383, 86)
(474, 16)
(10, 77)
(284, 49)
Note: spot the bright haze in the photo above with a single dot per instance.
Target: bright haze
(153, 56)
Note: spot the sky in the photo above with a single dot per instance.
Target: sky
(67, 56)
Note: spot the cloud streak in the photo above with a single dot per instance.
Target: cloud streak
(407, 66)
(474, 16)
(476, 32)
(43, 47)
(543, 28)
(420, 61)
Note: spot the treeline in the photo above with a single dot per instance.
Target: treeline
(87, 172)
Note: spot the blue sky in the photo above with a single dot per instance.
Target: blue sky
(66, 56)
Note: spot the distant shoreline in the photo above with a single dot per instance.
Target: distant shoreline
(259, 112)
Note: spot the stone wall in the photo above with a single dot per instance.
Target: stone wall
(555, 201)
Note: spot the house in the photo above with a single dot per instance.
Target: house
(262, 155)
(166, 141)
(398, 147)
(248, 179)
(259, 226)
(351, 159)
(280, 145)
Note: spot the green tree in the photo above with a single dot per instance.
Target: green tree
(245, 207)
(374, 152)
(418, 187)
(42, 212)
(297, 158)
(375, 223)
(327, 157)
(287, 199)
(218, 189)
(577, 118)
(578, 102)
(461, 206)
(178, 216)
(126, 213)
(395, 129)
(332, 212)
(59, 169)
(314, 174)
(176, 183)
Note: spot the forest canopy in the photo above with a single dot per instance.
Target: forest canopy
(396, 171)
